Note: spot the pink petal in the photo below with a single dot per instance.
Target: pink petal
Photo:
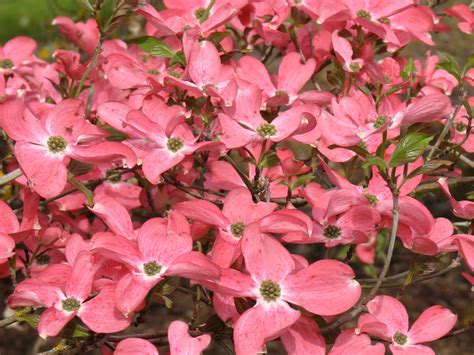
(304, 338)
(432, 324)
(429, 108)
(79, 285)
(204, 64)
(104, 152)
(35, 292)
(134, 346)
(181, 343)
(349, 343)
(114, 114)
(262, 323)
(52, 321)
(114, 215)
(66, 119)
(465, 243)
(131, 291)
(158, 161)
(239, 207)
(195, 266)
(45, 171)
(224, 252)
(411, 350)
(390, 312)
(7, 245)
(101, 315)
(236, 284)
(265, 258)
(19, 123)
(116, 248)
(293, 74)
(19, 49)
(316, 287)
(8, 220)
(202, 211)
(369, 324)
(157, 243)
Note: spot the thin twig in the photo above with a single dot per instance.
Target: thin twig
(12, 175)
(7, 321)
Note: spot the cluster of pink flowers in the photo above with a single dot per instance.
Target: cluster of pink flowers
(207, 148)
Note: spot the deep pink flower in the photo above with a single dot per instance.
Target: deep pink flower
(461, 209)
(85, 35)
(388, 320)
(159, 251)
(133, 346)
(464, 14)
(70, 298)
(181, 343)
(16, 52)
(274, 281)
(238, 212)
(348, 342)
(44, 148)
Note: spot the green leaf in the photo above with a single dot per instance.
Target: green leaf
(468, 65)
(409, 148)
(217, 37)
(375, 161)
(75, 330)
(408, 70)
(26, 315)
(302, 180)
(449, 64)
(178, 58)
(429, 168)
(114, 135)
(155, 46)
(269, 160)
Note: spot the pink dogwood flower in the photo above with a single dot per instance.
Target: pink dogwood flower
(274, 282)
(464, 14)
(158, 252)
(388, 320)
(349, 342)
(64, 303)
(85, 35)
(44, 149)
(461, 209)
(238, 212)
(16, 52)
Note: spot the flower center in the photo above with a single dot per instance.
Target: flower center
(399, 338)
(384, 20)
(112, 176)
(151, 268)
(43, 259)
(460, 126)
(354, 67)
(372, 199)
(237, 229)
(71, 304)
(56, 144)
(6, 64)
(380, 121)
(270, 290)
(174, 144)
(153, 71)
(332, 232)
(364, 14)
(266, 130)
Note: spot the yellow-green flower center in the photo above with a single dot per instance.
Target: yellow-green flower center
(354, 67)
(267, 130)
(237, 229)
(151, 268)
(43, 259)
(380, 121)
(6, 64)
(56, 144)
(332, 232)
(270, 290)
(364, 14)
(400, 338)
(460, 126)
(174, 144)
(372, 199)
(71, 304)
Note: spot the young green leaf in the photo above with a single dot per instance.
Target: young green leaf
(409, 148)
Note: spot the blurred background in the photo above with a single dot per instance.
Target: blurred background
(33, 18)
